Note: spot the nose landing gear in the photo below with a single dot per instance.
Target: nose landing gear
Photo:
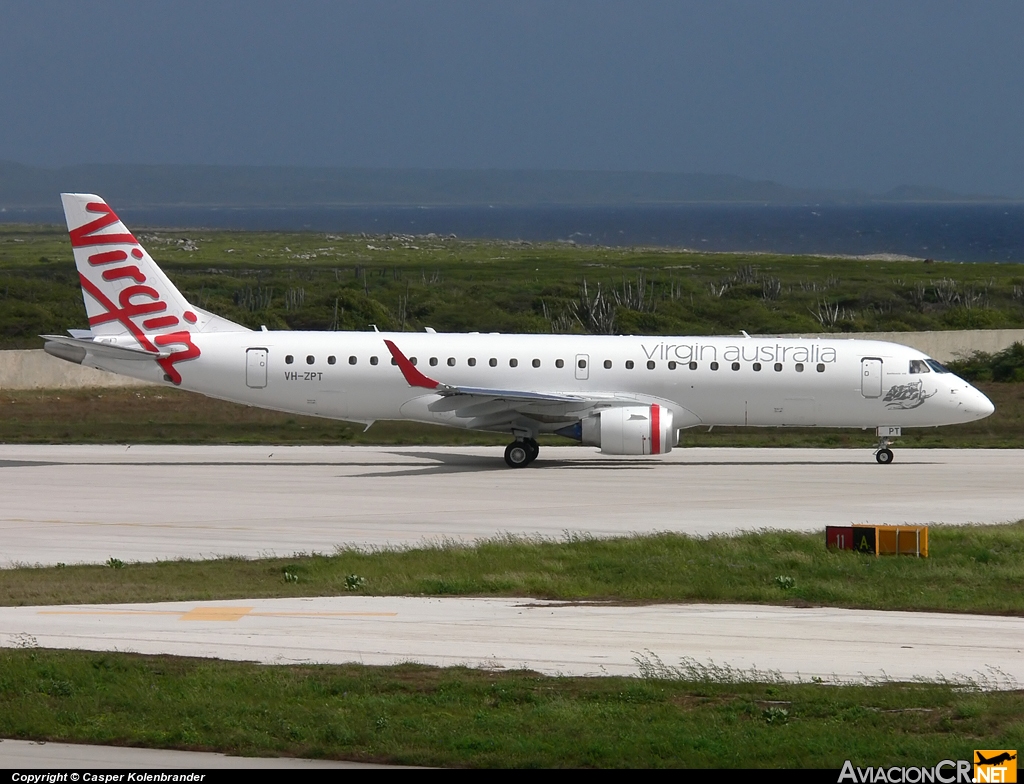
(521, 452)
(883, 454)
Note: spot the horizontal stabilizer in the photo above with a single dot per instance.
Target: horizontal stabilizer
(74, 349)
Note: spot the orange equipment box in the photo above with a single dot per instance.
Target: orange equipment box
(879, 539)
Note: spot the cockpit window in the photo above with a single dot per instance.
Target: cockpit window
(937, 367)
(919, 366)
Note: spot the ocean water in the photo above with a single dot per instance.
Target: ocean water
(947, 232)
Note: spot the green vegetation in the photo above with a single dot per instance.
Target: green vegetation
(456, 717)
(971, 569)
(1003, 366)
(405, 282)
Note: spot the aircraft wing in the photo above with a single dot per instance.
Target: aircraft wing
(488, 407)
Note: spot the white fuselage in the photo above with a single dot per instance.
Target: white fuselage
(756, 381)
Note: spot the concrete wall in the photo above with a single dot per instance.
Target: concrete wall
(943, 346)
(38, 370)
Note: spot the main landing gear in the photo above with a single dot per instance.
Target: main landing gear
(521, 452)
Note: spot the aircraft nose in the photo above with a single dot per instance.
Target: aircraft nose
(980, 405)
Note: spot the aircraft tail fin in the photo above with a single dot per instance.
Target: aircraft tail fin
(127, 296)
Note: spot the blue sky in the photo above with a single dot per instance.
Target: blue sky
(860, 94)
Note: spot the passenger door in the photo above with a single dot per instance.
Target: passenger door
(256, 368)
(871, 377)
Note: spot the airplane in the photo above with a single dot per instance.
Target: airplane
(996, 760)
(625, 394)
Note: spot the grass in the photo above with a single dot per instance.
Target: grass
(318, 281)
(417, 715)
(170, 416)
(977, 569)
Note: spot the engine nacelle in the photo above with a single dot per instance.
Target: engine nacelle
(631, 430)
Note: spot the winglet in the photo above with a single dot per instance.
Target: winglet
(412, 375)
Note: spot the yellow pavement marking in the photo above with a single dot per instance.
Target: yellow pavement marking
(215, 614)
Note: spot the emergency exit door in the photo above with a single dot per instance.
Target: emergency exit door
(871, 377)
(256, 368)
(582, 367)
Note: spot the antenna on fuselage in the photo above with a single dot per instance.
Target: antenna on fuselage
(744, 333)
(375, 328)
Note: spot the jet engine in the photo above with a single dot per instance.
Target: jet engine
(631, 430)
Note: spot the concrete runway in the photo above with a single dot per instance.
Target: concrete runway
(77, 504)
(555, 638)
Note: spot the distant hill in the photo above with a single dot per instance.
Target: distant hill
(284, 186)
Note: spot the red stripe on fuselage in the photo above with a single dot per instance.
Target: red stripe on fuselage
(412, 375)
(655, 429)
(167, 363)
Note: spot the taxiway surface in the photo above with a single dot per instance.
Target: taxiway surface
(75, 504)
(549, 637)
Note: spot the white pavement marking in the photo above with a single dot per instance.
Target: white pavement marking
(549, 637)
(77, 504)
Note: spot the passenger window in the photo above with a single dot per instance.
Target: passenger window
(394, 361)
(650, 364)
(433, 361)
(331, 359)
(821, 367)
(413, 360)
(373, 360)
(310, 359)
(757, 366)
(778, 367)
(735, 365)
(513, 363)
(559, 363)
(693, 366)
(629, 364)
(581, 364)
(352, 360)
(607, 364)
(671, 365)
(289, 359)
(492, 362)
(799, 367)
(714, 366)
(536, 363)
(919, 366)
(471, 361)
(451, 361)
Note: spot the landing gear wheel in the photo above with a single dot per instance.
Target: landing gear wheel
(517, 455)
(884, 456)
(534, 449)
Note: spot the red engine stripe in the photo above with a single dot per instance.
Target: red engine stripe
(655, 429)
